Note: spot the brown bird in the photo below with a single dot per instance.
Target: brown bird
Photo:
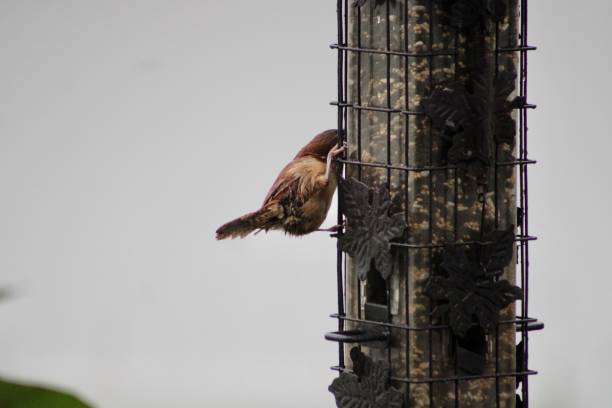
(301, 195)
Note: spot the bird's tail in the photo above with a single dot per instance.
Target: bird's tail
(243, 226)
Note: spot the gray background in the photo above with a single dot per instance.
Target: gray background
(131, 129)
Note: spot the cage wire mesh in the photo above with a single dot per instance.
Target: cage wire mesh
(432, 102)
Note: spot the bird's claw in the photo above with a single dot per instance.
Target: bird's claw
(332, 229)
(336, 151)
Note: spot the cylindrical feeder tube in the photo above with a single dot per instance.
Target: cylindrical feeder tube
(422, 50)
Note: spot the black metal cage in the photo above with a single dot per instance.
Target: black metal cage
(370, 323)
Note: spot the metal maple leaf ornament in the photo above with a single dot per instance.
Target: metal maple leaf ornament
(468, 113)
(465, 14)
(367, 387)
(466, 288)
(359, 3)
(370, 228)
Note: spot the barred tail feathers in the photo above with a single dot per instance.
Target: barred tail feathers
(242, 226)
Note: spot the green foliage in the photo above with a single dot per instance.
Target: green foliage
(26, 396)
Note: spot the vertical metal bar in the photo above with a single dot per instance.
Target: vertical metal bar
(359, 146)
(496, 214)
(406, 187)
(522, 187)
(430, 8)
(345, 87)
(339, 269)
(388, 74)
(524, 28)
(524, 204)
(456, 238)
(456, 210)
(359, 102)
(495, 144)
(345, 79)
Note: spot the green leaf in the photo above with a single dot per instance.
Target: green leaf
(27, 396)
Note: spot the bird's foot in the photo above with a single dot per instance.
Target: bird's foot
(334, 228)
(337, 150)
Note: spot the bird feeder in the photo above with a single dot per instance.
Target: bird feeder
(433, 256)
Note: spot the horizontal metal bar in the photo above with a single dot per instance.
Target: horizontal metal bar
(392, 52)
(413, 113)
(518, 321)
(463, 377)
(518, 238)
(395, 167)
(534, 326)
(521, 48)
(377, 108)
(356, 106)
(449, 379)
(367, 108)
(440, 53)
(520, 162)
(356, 336)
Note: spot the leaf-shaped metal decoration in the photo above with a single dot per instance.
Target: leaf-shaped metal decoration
(367, 387)
(465, 14)
(359, 3)
(470, 351)
(468, 113)
(369, 228)
(496, 9)
(496, 252)
(455, 111)
(466, 288)
(503, 124)
(520, 362)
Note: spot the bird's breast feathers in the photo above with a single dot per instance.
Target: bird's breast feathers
(305, 193)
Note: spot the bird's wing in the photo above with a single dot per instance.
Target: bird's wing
(299, 180)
